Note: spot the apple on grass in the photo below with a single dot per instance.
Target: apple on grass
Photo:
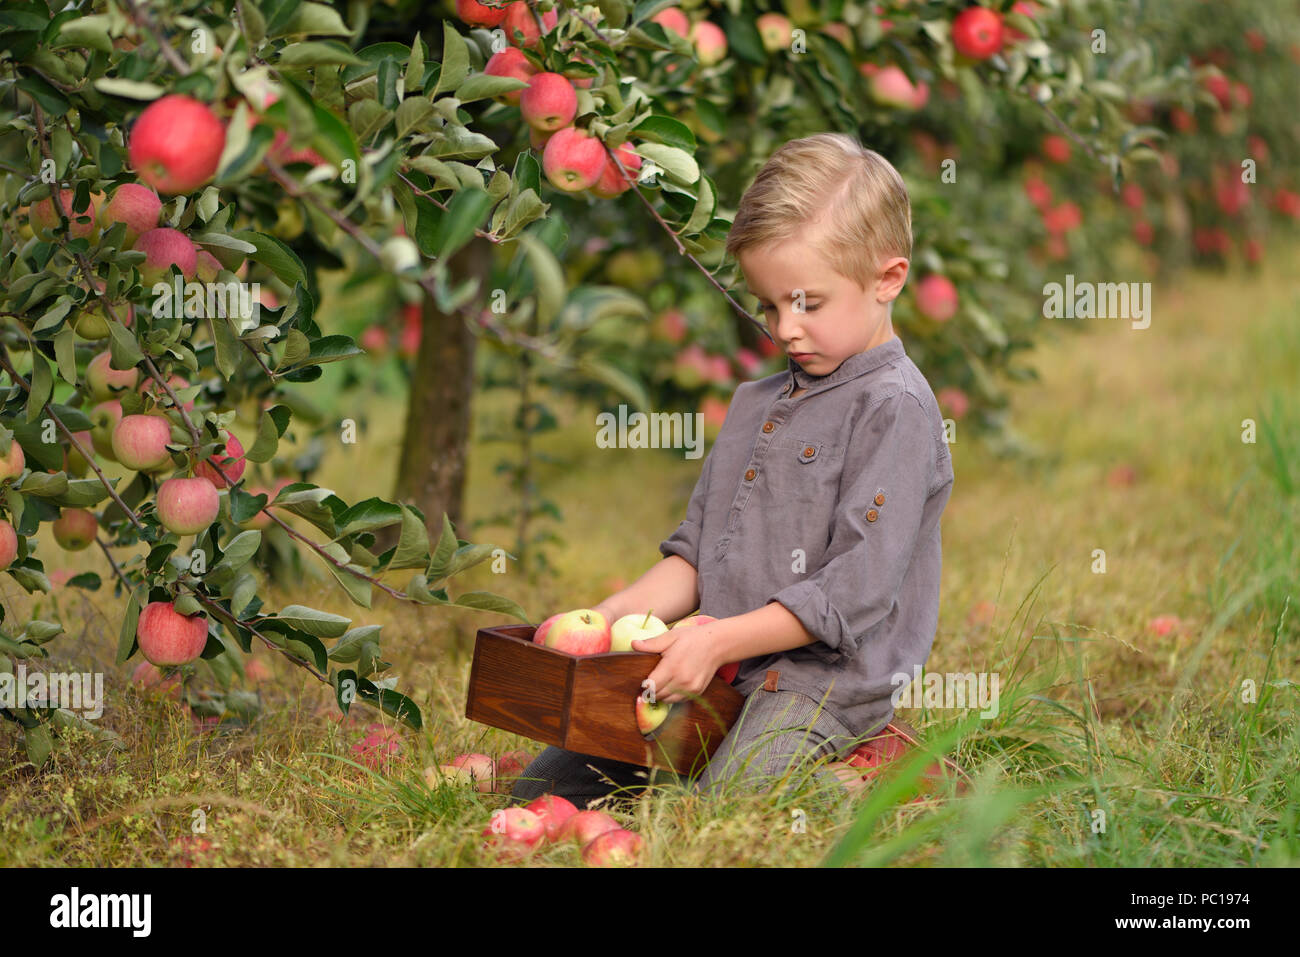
(464, 769)
(513, 833)
(633, 627)
(618, 848)
(509, 768)
(554, 811)
(580, 632)
(585, 826)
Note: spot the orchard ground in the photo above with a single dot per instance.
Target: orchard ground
(1141, 432)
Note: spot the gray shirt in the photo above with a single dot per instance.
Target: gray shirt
(828, 502)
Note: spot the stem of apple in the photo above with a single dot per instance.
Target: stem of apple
(647, 618)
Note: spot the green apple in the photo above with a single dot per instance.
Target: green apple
(631, 627)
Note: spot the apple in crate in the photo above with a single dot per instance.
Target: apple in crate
(728, 671)
(539, 636)
(581, 632)
(629, 628)
(650, 716)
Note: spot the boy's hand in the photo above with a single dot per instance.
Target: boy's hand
(688, 661)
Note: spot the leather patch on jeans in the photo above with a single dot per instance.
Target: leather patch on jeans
(769, 684)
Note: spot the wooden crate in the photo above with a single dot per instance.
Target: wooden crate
(587, 703)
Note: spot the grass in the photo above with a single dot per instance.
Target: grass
(1113, 745)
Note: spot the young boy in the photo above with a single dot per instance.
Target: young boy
(813, 531)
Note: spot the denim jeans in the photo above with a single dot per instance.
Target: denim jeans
(776, 731)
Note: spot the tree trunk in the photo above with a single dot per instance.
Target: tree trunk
(435, 448)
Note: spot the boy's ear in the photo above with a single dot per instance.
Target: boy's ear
(893, 275)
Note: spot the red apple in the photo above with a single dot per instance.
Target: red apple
(539, 636)
(104, 381)
(519, 17)
(12, 462)
(8, 544)
(775, 30)
(75, 529)
(478, 14)
(45, 218)
(379, 748)
(513, 833)
(612, 182)
(954, 400)
(137, 206)
(619, 848)
(673, 19)
(710, 42)
(936, 297)
(977, 33)
(163, 248)
(550, 102)
(509, 768)
(478, 769)
(187, 506)
(580, 632)
(891, 87)
(585, 826)
(1056, 148)
(573, 159)
(554, 811)
(140, 442)
(511, 62)
(176, 143)
(227, 466)
(149, 678)
(167, 637)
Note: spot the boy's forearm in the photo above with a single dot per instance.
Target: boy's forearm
(669, 587)
(763, 631)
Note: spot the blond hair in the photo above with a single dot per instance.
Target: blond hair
(831, 178)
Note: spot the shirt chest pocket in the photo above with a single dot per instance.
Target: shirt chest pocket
(800, 470)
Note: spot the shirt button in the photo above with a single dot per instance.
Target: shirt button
(880, 498)
(749, 476)
(809, 451)
(768, 426)
(871, 514)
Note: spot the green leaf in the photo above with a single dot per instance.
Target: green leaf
(126, 636)
(413, 546)
(486, 601)
(38, 743)
(321, 624)
(128, 89)
(455, 60)
(482, 86)
(318, 53)
(275, 255)
(315, 19)
(86, 31)
(348, 647)
(668, 131)
(677, 163)
(548, 275)
(391, 703)
(413, 80)
(413, 111)
(463, 215)
(42, 387)
(616, 379)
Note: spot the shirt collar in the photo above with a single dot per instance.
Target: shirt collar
(852, 367)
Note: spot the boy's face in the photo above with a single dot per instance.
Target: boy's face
(838, 319)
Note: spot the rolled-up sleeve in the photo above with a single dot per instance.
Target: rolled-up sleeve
(686, 540)
(888, 468)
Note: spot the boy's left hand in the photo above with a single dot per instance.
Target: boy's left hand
(688, 661)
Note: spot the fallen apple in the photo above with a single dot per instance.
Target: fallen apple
(613, 849)
(585, 826)
(513, 833)
(554, 811)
